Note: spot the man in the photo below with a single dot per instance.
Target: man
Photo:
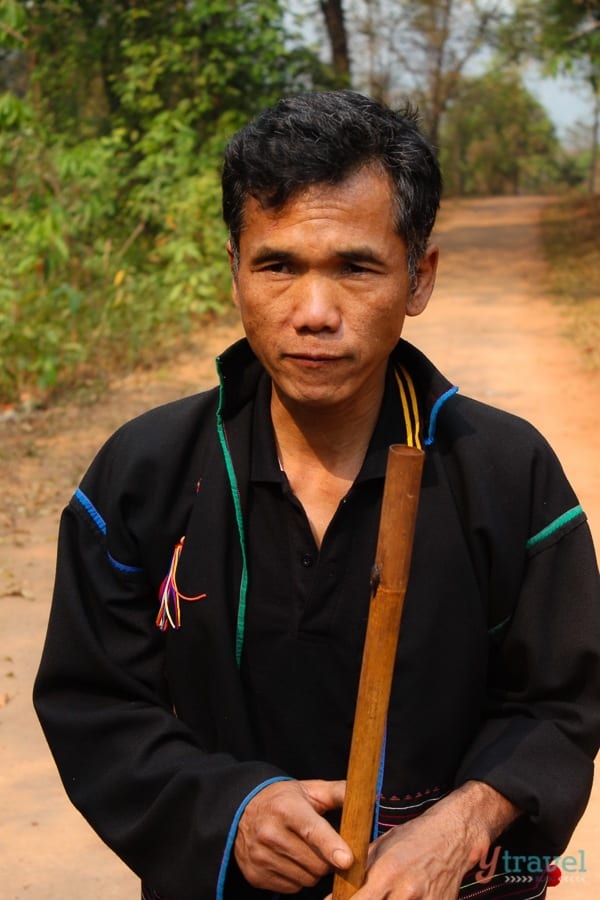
(210, 752)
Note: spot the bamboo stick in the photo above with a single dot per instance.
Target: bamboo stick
(390, 577)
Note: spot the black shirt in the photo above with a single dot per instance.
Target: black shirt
(307, 607)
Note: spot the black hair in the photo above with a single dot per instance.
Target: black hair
(323, 137)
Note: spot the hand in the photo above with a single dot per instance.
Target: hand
(427, 858)
(283, 842)
(413, 862)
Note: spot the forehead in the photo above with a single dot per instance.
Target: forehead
(362, 201)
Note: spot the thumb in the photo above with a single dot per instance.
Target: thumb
(325, 795)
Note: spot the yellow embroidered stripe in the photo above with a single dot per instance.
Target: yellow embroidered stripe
(410, 407)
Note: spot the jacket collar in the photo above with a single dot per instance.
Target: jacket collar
(423, 388)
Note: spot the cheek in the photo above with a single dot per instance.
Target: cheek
(260, 320)
(263, 329)
(380, 327)
(257, 303)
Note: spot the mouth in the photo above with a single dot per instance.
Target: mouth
(312, 360)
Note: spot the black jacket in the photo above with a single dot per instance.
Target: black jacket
(501, 636)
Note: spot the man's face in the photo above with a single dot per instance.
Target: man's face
(323, 288)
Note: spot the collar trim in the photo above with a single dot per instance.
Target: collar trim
(435, 412)
(410, 407)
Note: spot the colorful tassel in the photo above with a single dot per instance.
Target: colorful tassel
(170, 597)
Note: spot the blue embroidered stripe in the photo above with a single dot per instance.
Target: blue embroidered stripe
(379, 789)
(234, 827)
(557, 524)
(435, 412)
(90, 510)
(121, 566)
(99, 522)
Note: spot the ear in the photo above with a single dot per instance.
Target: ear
(419, 296)
(230, 256)
(233, 269)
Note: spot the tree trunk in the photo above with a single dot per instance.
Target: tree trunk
(439, 94)
(593, 176)
(333, 14)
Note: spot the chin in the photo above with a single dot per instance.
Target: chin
(314, 400)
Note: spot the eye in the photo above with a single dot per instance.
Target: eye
(275, 266)
(359, 264)
(282, 268)
(353, 268)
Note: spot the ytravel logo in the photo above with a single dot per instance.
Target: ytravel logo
(519, 869)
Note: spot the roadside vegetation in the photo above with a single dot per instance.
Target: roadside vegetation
(570, 229)
(111, 137)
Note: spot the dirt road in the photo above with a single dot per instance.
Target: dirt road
(488, 327)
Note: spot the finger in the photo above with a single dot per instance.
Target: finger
(283, 875)
(324, 840)
(325, 795)
(296, 857)
(275, 867)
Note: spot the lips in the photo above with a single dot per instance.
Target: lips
(314, 358)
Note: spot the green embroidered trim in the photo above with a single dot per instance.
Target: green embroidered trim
(235, 493)
(558, 523)
(496, 628)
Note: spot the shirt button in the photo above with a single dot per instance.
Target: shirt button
(307, 560)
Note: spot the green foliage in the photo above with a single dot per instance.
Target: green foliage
(562, 33)
(562, 36)
(109, 173)
(498, 139)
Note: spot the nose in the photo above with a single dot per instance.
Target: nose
(316, 308)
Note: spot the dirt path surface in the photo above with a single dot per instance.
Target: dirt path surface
(488, 327)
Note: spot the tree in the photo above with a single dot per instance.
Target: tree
(420, 48)
(497, 138)
(564, 35)
(333, 15)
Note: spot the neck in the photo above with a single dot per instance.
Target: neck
(334, 439)
(322, 451)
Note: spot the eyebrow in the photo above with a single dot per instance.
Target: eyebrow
(363, 254)
(268, 254)
(360, 255)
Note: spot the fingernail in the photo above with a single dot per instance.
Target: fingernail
(341, 859)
